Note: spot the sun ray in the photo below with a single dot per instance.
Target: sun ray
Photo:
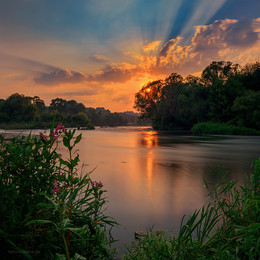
(203, 12)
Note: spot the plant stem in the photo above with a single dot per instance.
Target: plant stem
(63, 236)
(71, 192)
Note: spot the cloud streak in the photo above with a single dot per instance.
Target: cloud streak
(60, 76)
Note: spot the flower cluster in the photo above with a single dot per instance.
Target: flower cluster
(97, 184)
(58, 130)
(54, 135)
(57, 185)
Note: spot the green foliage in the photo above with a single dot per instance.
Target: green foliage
(228, 228)
(49, 208)
(20, 112)
(246, 109)
(147, 98)
(223, 94)
(221, 129)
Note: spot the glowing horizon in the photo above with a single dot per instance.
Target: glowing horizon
(101, 53)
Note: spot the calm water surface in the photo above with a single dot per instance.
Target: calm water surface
(153, 178)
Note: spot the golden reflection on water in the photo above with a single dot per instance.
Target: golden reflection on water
(149, 169)
(150, 139)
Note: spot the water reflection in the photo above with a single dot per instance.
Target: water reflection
(150, 139)
(149, 170)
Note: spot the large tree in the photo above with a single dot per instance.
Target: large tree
(219, 71)
(18, 108)
(70, 107)
(147, 98)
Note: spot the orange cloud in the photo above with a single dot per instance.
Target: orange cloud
(233, 40)
(152, 46)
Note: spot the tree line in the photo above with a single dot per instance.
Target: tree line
(19, 111)
(225, 93)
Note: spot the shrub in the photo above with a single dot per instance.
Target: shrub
(221, 129)
(47, 208)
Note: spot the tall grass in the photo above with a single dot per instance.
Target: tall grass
(221, 129)
(228, 228)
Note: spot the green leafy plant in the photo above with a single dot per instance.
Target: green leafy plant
(61, 214)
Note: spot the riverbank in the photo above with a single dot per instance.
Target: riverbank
(208, 128)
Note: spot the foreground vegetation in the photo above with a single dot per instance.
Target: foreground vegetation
(228, 228)
(49, 208)
(225, 93)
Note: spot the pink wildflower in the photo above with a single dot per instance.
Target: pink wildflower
(55, 187)
(58, 130)
(97, 184)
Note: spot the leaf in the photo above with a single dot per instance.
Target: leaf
(66, 142)
(75, 161)
(40, 221)
(52, 202)
(205, 183)
(64, 162)
(66, 223)
(80, 257)
(78, 138)
(60, 257)
(73, 196)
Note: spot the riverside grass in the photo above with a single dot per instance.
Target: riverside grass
(204, 128)
(228, 228)
(49, 209)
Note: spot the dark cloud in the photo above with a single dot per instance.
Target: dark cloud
(167, 47)
(241, 33)
(113, 74)
(60, 76)
(225, 33)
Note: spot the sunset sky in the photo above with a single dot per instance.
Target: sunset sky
(101, 52)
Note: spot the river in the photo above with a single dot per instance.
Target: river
(153, 179)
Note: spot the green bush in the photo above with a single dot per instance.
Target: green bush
(221, 129)
(228, 228)
(48, 208)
